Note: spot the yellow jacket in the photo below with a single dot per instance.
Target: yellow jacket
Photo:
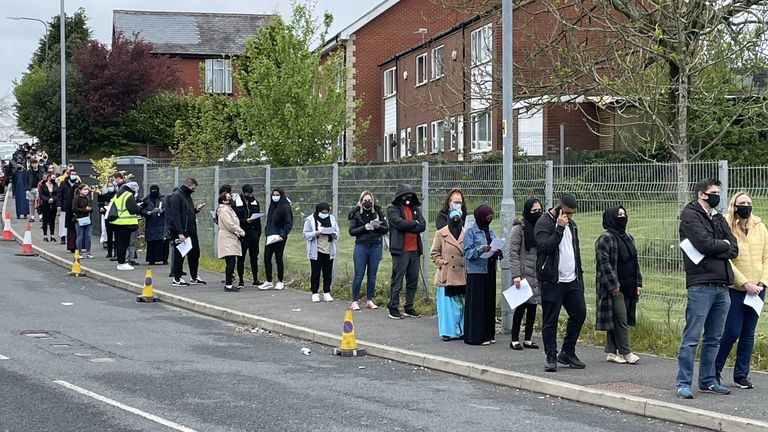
(752, 263)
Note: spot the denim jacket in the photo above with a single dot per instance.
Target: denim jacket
(474, 240)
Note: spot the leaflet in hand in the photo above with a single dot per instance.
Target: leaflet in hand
(375, 223)
(328, 230)
(755, 302)
(213, 214)
(273, 239)
(496, 245)
(693, 254)
(255, 216)
(517, 296)
(184, 247)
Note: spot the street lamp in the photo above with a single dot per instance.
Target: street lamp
(40, 21)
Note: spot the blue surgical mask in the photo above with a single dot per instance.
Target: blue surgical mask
(110, 189)
(455, 206)
(455, 214)
(323, 215)
(73, 177)
(275, 198)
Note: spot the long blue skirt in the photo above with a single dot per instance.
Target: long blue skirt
(450, 314)
(20, 194)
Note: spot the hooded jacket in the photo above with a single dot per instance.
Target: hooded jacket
(398, 225)
(708, 236)
(244, 208)
(548, 236)
(181, 216)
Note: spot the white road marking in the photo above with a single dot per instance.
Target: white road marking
(67, 304)
(2, 357)
(123, 407)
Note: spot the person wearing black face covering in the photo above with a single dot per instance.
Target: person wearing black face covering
(320, 233)
(406, 225)
(707, 282)
(450, 278)
(368, 225)
(181, 225)
(154, 227)
(480, 303)
(522, 260)
(246, 205)
(618, 285)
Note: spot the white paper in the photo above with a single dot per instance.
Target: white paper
(515, 297)
(691, 251)
(488, 254)
(497, 244)
(327, 230)
(273, 239)
(213, 214)
(755, 302)
(255, 216)
(184, 247)
(375, 223)
(161, 205)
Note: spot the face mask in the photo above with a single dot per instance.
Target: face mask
(84, 193)
(110, 189)
(367, 205)
(713, 200)
(744, 211)
(455, 215)
(73, 177)
(323, 215)
(275, 198)
(622, 223)
(533, 217)
(456, 206)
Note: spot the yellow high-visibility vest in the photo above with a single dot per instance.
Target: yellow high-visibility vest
(123, 216)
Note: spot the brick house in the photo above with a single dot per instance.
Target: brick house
(195, 41)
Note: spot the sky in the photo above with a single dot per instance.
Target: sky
(19, 39)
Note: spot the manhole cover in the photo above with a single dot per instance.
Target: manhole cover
(624, 387)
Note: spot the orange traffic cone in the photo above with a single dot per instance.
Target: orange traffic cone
(26, 247)
(7, 236)
(76, 264)
(348, 346)
(147, 293)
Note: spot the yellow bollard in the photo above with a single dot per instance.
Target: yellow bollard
(147, 293)
(75, 271)
(348, 346)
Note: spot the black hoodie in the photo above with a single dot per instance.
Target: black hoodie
(708, 236)
(398, 225)
(279, 216)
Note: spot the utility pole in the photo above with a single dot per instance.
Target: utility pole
(63, 53)
(508, 201)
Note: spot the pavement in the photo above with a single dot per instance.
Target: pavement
(646, 389)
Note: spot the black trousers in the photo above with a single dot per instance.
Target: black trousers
(568, 295)
(193, 257)
(49, 219)
(404, 266)
(529, 310)
(229, 270)
(276, 249)
(323, 264)
(122, 240)
(110, 229)
(250, 246)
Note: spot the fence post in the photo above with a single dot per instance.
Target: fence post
(267, 186)
(549, 185)
(425, 244)
(335, 207)
(145, 182)
(214, 207)
(722, 168)
(175, 176)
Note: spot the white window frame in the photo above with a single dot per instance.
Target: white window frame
(438, 63)
(421, 141)
(214, 84)
(390, 77)
(481, 45)
(438, 136)
(454, 133)
(407, 151)
(482, 145)
(421, 75)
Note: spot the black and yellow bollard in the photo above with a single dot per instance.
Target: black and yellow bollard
(147, 293)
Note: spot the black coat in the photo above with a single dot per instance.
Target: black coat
(181, 215)
(358, 220)
(34, 177)
(154, 225)
(45, 195)
(399, 225)
(548, 236)
(244, 211)
(279, 218)
(708, 236)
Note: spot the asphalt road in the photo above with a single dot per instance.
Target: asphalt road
(76, 355)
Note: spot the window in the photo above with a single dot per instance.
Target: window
(454, 132)
(481, 132)
(481, 41)
(438, 64)
(421, 69)
(391, 149)
(218, 76)
(390, 86)
(438, 136)
(407, 150)
(421, 139)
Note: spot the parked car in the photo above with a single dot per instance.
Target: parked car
(134, 160)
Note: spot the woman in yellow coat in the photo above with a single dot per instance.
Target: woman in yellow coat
(750, 271)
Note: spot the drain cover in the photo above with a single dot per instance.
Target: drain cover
(624, 387)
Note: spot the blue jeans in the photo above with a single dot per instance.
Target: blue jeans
(84, 234)
(740, 325)
(365, 256)
(707, 308)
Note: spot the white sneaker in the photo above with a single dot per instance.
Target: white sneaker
(266, 285)
(327, 297)
(315, 298)
(124, 267)
(279, 286)
(354, 306)
(371, 305)
(615, 358)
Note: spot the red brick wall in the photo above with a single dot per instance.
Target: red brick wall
(578, 135)
(189, 72)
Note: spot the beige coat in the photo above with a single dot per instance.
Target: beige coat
(447, 255)
(228, 243)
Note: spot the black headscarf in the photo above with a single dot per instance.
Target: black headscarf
(154, 194)
(618, 227)
(455, 226)
(481, 219)
(530, 223)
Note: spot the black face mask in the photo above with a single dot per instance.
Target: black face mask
(154, 193)
(532, 217)
(622, 223)
(713, 200)
(744, 211)
(367, 205)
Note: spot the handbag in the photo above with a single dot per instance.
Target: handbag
(84, 221)
(112, 212)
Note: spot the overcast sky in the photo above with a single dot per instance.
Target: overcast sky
(19, 39)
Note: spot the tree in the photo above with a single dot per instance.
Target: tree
(294, 107)
(208, 132)
(153, 120)
(77, 32)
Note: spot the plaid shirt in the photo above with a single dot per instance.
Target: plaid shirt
(606, 259)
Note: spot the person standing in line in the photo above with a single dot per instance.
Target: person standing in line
(480, 303)
(126, 222)
(406, 225)
(367, 224)
(561, 279)
(20, 191)
(228, 245)
(48, 206)
(321, 232)
(34, 176)
(245, 206)
(453, 201)
(181, 224)
(279, 223)
(82, 209)
(107, 229)
(131, 254)
(522, 259)
(750, 276)
(450, 278)
(66, 197)
(154, 226)
(707, 282)
(618, 284)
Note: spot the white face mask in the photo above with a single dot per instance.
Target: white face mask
(323, 215)
(275, 198)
